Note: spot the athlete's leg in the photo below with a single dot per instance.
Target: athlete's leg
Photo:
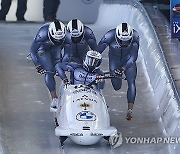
(131, 74)
(116, 82)
(45, 60)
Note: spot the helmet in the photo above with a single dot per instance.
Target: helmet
(76, 29)
(57, 32)
(124, 34)
(92, 61)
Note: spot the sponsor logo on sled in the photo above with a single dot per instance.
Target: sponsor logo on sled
(85, 105)
(86, 98)
(76, 134)
(84, 90)
(96, 134)
(86, 116)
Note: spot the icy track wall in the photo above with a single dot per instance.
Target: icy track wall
(165, 104)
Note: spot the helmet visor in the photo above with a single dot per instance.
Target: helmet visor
(92, 63)
(57, 41)
(76, 40)
(124, 43)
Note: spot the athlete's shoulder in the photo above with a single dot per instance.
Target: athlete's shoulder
(135, 36)
(42, 34)
(87, 29)
(109, 36)
(88, 33)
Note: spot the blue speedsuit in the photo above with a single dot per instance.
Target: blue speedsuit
(122, 57)
(79, 75)
(46, 54)
(76, 52)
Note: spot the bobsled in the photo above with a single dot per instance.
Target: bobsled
(82, 116)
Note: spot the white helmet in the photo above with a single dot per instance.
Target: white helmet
(76, 29)
(57, 31)
(92, 61)
(124, 34)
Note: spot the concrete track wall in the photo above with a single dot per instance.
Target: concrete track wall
(161, 86)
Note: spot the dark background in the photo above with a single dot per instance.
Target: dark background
(162, 5)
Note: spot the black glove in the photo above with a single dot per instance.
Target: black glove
(119, 71)
(66, 82)
(40, 69)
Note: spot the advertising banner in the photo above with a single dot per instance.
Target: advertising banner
(175, 19)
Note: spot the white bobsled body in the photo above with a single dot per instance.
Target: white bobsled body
(82, 115)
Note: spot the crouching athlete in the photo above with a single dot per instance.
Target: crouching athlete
(83, 73)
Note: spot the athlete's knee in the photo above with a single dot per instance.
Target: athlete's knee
(50, 71)
(116, 83)
(58, 65)
(49, 76)
(50, 81)
(116, 87)
(57, 61)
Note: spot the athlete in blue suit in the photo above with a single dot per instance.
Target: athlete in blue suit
(83, 73)
(46, 53)
(78, 40)
(123, 43)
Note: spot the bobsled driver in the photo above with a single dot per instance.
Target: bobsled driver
(78, 40)
(123, 43)
(45, 51)
(84, 73)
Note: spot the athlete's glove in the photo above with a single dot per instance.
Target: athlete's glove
(99, 79)
(40, 69)
(119, 71)
(66, 82)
